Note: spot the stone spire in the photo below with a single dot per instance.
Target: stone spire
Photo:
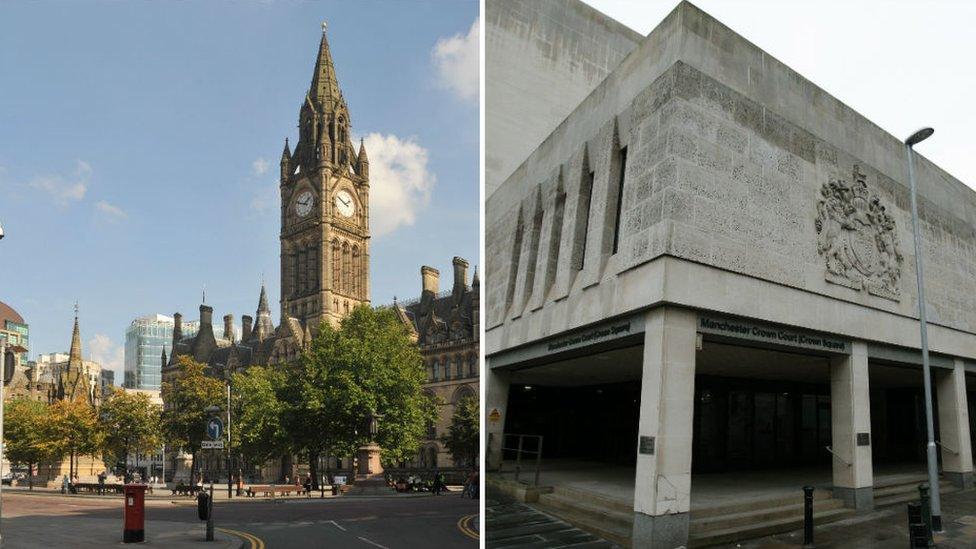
(363, 160)
(74, 356)
(475, 281)
(163, 360)
(263, 327)
(286, 162)
(324, 91)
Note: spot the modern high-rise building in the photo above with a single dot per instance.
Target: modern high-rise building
(145, 340)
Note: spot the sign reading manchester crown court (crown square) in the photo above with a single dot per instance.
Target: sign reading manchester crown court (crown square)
(775, 335)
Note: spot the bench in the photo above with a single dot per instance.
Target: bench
(272, 489)
(185, 490)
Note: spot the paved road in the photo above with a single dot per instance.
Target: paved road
(393, 523)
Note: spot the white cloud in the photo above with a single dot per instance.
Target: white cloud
(400, 183)
(457, 60)
(265, 198)
(65, 189)
(259, 167)
(112, 213)
(104, 351)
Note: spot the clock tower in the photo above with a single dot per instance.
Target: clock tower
(324, 207)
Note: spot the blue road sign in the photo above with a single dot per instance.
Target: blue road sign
(215, 428)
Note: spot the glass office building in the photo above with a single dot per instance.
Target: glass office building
(145, 340)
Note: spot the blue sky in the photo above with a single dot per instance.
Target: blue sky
(139, 148)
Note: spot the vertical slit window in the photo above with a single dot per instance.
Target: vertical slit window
(620, 197)
(586, 196)
(516, 254)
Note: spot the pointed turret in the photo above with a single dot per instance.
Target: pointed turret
(285, 162)
(475, 281)
(263, 327)
(363, 160)
(74, 356)
(163, 360)
(324, 91)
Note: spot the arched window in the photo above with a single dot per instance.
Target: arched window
(355, 271)
(458, 367)
(336, 269)
(472, 365)
(345, 268)
(435, 370)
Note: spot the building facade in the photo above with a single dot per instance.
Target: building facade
(145, 340)
(707, 269)
(324, 236)
(14, 330)
(447, 329)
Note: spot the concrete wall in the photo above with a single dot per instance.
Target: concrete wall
(542, 58)
(728, 150)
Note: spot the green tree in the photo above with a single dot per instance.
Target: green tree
(258, 412)
(186, 396)
(367, 364)
(462, 438)
(131, 422)
(74, 431)
(27, 434)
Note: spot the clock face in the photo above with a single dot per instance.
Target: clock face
(344, 204)
(303, 206)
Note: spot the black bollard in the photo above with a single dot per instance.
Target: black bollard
(917, 532)
(808, 516)
(926, 504)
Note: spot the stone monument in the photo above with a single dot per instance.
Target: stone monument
(369, 471)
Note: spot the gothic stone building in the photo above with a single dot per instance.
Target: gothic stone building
(446, 326)
(324, 188)
(706, 271)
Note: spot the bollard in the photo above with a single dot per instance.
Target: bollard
(917, 532)
(808, 517)
(926, 504)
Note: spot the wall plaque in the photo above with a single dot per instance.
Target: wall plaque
(864, 439)
(646, 445)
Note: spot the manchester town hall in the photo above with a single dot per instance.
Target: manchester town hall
(324, 250)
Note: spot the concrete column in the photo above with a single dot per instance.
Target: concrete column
(496, 398)
(850, 416)
(662, 492)
(957, 452)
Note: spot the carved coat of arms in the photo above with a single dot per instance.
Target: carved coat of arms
(857, 238)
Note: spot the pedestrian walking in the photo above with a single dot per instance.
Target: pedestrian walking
(101, 483)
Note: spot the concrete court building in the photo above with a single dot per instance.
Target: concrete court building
(700, 289)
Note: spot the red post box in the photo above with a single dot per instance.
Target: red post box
(134, 513)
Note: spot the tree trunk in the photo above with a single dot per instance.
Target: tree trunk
(30, 477)
(313, 469)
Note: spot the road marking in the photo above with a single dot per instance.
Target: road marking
(336, 524)
(373, 543)
(464, 525)
(256, 542)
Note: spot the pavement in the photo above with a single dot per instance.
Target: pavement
(513, 524)
(884, 528)
(48, 519)
(510, 524)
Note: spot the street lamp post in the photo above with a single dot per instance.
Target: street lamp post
(933, 464)
(211, 411)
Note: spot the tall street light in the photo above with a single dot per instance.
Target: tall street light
(933, 463)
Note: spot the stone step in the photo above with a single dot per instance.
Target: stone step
(906, 496)
(759, 515)
(624, 519)
(580, 494)
(894, 489)
(596, 524)
(766, 528)
(746, 504)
